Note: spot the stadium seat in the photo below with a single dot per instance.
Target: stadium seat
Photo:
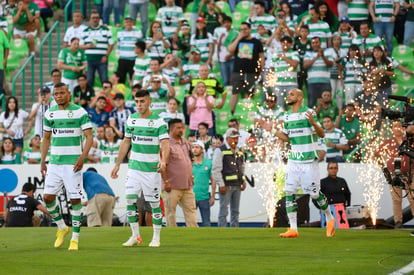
(189, 7)
(114, 31)
(403, 54)
(224, 6)
(187, 16)
(243, 6)
(152, 12)
(239, 18)
(20, 47)
(404, 81)
(13, 61)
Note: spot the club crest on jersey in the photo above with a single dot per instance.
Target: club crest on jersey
(70, 114)
(151, 123)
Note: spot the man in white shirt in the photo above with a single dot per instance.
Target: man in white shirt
(75, 30)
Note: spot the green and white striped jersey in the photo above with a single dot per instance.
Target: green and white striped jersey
(367, 43)
(170, 18)
(66, 127)
(336, 137)
(353, 71)
(322, 30)
(145, 135)
(267, 21)
(358, 10)
(157, 49)
(101, 37)
(202, 44)
(302, 135)
(283, 72)
(141, 68)
(346, 39)
(29, 154)
(318, 72)
(126, 43)
(384, 9)
(109, 150)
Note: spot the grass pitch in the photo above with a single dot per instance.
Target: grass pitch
(207, 250)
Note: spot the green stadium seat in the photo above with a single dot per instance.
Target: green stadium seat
(20, 47)
(225, 7)
(404, 81)
(189, 7)
(187, 16)
(13, 61)
(243, 6)
(403, 54)
(238, 18)
(152, 12)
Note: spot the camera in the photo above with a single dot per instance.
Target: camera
(407, 114)
(280, 15)
(44, 90)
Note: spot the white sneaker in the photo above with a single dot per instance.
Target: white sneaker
(133, 241)
(154, 243)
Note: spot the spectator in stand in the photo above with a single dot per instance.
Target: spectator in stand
(202, 178)
(24, 22)
(178, 177)
(154, 70)
(199, 108)
(409, 23)
(349, 124)
(117, 86)
(159, 95)
(335, 141)
(326, 107)
(203, 40)
(142, 6)
(383, 16)
(97, 43)
(202, 135)
(106, 93)
(366, 41)
(39, 109)
(358, 13)
(289, 18)
(142, 63)
(97, 114)
(4, 54)
(248, 64)
(101, 199)
(19, 211)
(11, 123)
(337, 54)
(56, 77)
(299, 6)
(326, 14)
(119, 115)
(108, 146)
(317, 27)
(317, 62)
(226, 60)
(83, 93)
(183, 42)
(216, 142)
(32, 154)
(302, 45)
(347, 33)
(9, 153)
(170, 17)
(94, 155)
(172, 68)
(127, 39)
(72, 62)
(172, 111)
(74, 31)
(351, 69)
(381, 69)
(191, 68)
(46, 11)
(210, 12)
(156, 43)
(258, 16)
(335, 188)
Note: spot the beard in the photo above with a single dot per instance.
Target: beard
(291, 103)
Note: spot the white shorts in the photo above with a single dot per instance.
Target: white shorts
(23, 33)
(58, 176)
(305, 175)
(148, 182)
(71, 83)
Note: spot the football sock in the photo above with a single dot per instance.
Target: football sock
(76, 220)
(156, 219)
(323, 204)
(54, 211)
(292, 210)
(132, 214)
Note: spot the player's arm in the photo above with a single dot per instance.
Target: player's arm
(43, 151)
(87, 146)
(318, 129)
(165, 153)
(282, 136)
(123, 150)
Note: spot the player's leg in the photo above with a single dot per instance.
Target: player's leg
(132, 189)
(156, 223)
(291, 188)
(53, 184)
(151, 189)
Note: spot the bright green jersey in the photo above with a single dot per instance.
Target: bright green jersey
(350, 128)
(4, 44)
(109, 150)
(145, 135)
(66, 127)
(23, 18)
(302, 135)
(71, 59)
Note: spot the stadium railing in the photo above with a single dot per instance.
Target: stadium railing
(48, 37)
(22, 72)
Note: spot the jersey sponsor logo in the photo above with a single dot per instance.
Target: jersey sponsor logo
(296, 131)
(63, 131)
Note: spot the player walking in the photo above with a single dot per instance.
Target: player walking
(302, 131)
(146, 133)
(63, 127)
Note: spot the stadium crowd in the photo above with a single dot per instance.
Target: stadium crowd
(339, 52)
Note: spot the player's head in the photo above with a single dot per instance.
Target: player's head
(142, 101)
(61, 94)
(29, 188)
(197, 148)
(294, 96)
(176, 127)
(332, 168)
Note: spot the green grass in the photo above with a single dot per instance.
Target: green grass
(207, 250)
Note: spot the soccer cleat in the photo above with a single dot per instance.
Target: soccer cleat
(60, 236)
(330, 228)
(290, 233)
(73, 245)
(154, 243)
(133, 241)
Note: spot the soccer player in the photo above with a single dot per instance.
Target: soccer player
(302, 170)
(63, 127)
(145, 133)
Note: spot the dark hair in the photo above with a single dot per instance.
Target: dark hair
(234, 120)
(316, 37)
(260, 3)
(226, 18)
(329, 14)
(101, 98)
(290, 9)
(74, 38)
(16, 109)
(151, 33)
(332, 162)
(306, 27)
(328, 117)
(247, 24)
(365, 23)
(355, 48)
(107, 82)
(219, 137)
(384, 58)
(27, 187)
(203, 124)
(60, 84)
(286, 38)
(173, 121)
(141, 45)
(2, 145)
(92, 169)
(142, 93)
(191, 135)
(204, 32)
(55, 70)
(350, 105)
(173, 98)
(137, 86)
(80, 76)
(156, 59)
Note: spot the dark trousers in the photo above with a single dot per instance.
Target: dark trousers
(125, 66)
